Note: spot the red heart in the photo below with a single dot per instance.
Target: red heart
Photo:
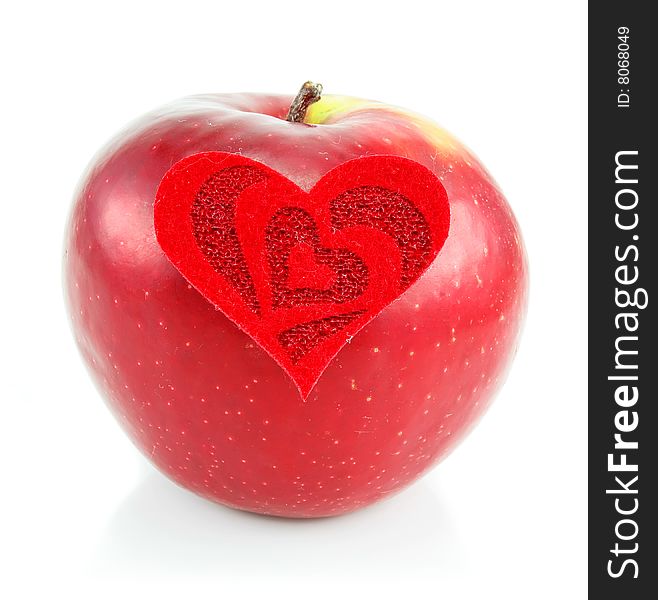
(300, 272)
(288, 229)
(305, 269)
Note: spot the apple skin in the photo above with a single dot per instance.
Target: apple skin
(209, 407)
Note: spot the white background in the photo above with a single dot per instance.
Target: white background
(83, 515)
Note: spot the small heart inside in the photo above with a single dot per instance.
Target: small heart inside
(305, 272)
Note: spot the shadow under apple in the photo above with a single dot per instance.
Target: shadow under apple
(161, 528)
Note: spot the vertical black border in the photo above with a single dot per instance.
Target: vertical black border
(614, 128)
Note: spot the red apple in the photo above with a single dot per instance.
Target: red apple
(208, 405)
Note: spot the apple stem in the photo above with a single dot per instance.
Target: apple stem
(308, 94)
